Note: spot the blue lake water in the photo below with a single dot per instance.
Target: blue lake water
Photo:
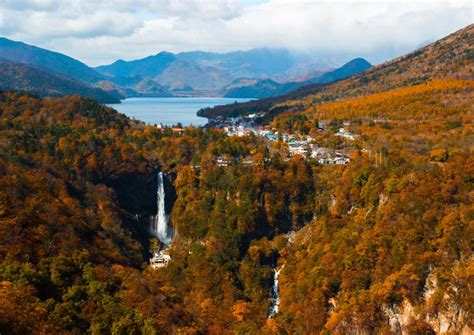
(170, 111)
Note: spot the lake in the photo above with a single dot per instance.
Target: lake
(170, 111)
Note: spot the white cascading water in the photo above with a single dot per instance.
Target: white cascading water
(159, 222)
(275, 307)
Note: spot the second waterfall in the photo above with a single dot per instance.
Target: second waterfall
(159, 222)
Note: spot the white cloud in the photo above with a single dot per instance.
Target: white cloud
(101, 31)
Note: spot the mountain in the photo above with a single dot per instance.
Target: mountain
(259, 89)
(150, 88)
(54, 63)
(183, 73)
(269, 88)
(23, 77)
(212, 71)
(47, 60)
(349, 69)
(150, 66)
(422, 65)
(254, 63)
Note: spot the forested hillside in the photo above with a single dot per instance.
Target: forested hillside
(23, 77)
(375, 235)
(74, 177)
(391, 248)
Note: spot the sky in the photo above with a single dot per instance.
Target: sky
(100, 32)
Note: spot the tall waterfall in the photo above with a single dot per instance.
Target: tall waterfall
(275, 307)
(159, 222)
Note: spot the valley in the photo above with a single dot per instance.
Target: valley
(300, 195)
(191, 74)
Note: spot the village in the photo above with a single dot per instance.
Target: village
(303, 145)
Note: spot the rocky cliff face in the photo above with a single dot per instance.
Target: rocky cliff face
(444, 307)
(136, 193)
(440, 309)
(136, 196)
(170, 191)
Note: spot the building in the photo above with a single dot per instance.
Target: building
(221, 161)
(298, 150)
(160, 259)
(320, 153)
(325, 157)
(346, 134)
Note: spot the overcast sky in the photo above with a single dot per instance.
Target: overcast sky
(98, 32)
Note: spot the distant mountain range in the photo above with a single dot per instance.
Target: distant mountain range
(255, 73)
(422, 65)
(212, 71)
(269, 88)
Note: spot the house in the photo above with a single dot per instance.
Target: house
(248, 161)
(341, 160)
(298, 150)
(325, 158)
(325, 161)
(346, 134)
(160, 259)
(271, 137)
(221, 161)
(320, 153)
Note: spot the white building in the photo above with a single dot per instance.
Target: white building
(160, 259)
(346, 134)
(298, 150)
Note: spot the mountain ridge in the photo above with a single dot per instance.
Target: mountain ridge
(200, 72)
(49, 60)
(269, 88)
(213, 71)
(421, 65)
(23, 77)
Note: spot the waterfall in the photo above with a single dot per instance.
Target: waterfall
(159, 222)
(274, 308)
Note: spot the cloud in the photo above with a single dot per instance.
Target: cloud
(132, 29)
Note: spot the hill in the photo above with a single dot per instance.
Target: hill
(258, 89)
(450, 57)
(373, 260)
(126, 84)
(269, 88)
(150, 66)
(47, 60)
(349, 69)
(23, 77)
